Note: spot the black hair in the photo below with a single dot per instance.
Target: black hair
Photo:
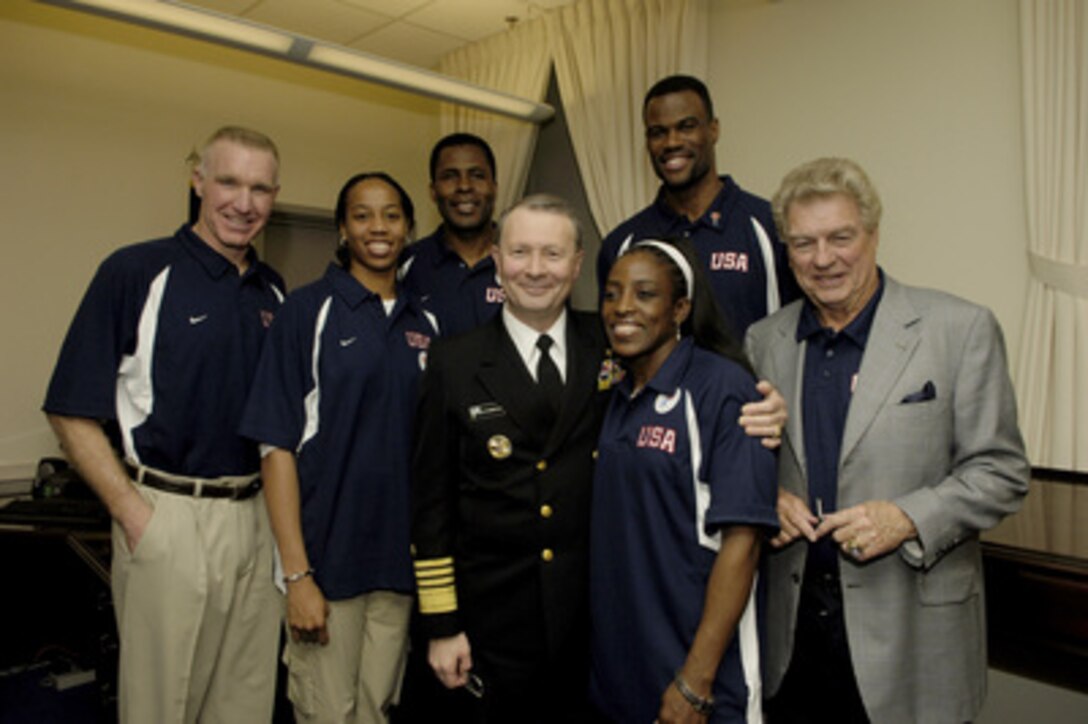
(463, 139)
(705, 324)
(679, 84)
(343, 256)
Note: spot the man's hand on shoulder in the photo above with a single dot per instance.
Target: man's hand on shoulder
(451, 659)
(765, 419)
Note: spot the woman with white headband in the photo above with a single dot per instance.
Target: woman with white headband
(682, 498)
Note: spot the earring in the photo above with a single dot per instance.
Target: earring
(343, 242)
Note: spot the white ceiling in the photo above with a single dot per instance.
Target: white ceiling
(417, 32)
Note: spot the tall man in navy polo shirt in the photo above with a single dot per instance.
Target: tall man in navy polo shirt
(451, 270)
(905, 447)
(731, 229)
(157, 365)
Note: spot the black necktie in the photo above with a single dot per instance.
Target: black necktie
(547, 374)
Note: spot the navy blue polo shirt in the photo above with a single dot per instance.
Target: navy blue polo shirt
(674, 468)
(747, 268)
(337, 386)
(164, 345)
(832, 361)
(462, 297)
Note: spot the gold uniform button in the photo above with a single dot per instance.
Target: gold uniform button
(542, 465)
(595, 454)
(547, 555)
(546, 511)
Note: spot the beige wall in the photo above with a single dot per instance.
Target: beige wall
(924, 94)
(97, 119)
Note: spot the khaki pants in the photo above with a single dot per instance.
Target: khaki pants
(356, 677)
(197, 613)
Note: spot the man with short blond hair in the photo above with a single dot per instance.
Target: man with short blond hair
(146, 398)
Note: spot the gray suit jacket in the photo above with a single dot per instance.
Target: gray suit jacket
(954, 463)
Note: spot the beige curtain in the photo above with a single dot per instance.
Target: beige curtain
(517, 62)
(607, 54)
(1052, 370)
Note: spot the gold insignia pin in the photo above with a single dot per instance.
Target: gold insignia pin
(499, 446)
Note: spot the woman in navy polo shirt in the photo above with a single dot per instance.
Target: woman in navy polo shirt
(332, 405)
(681, 499)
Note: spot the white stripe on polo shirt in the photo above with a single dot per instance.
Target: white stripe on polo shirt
(135, 396)
(312, 403)
(700, 487)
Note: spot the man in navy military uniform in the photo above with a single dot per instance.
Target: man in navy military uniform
(732, 230)
(507, 427)
(452, 270)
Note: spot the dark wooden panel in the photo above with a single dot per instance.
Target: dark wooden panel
(1037, 615)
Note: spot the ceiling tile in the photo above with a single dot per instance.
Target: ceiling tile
(324, 19)
(410, 44)
(469, 19)
(398, 9)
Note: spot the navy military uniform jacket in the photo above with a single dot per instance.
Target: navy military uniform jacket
(501, 502)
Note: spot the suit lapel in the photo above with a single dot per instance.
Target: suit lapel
(787, 372)
(502, 373)
(892, 341)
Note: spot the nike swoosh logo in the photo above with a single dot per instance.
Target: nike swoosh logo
(198, 320)
(347, 342)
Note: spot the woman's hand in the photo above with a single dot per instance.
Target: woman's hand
(307, 612)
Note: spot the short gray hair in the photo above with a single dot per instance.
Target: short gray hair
(243, 137)
(827, 177)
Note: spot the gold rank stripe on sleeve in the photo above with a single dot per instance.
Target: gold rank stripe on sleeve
(434, 579)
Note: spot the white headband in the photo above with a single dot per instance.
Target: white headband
(670, 251)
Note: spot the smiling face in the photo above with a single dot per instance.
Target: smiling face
(680, 139)
(237, 187)
(538, 261)
(833, 256)
(641, 312)
(464, 189)
(375, 227)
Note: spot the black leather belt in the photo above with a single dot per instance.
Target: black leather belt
(193, 489)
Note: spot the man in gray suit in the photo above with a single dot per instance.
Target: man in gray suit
(904, 445)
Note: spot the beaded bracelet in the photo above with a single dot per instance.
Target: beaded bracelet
(701, 705)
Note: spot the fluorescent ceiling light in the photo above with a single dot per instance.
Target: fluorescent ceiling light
(181, 18)
(418, 80)
(192, 20)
